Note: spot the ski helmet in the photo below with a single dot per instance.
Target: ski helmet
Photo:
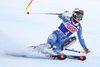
(78, 13)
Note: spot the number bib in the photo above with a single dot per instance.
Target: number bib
(68, 28)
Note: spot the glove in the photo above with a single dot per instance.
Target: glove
(86, 50)
(67, 15)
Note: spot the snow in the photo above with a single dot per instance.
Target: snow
(18, 31)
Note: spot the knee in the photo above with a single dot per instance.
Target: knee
(52, 39)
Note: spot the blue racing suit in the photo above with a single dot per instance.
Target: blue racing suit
(64, 32)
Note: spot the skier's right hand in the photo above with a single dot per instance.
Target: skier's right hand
(67, 15)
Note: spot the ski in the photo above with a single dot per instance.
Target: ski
(63, 57)
(51, 56)
(59, 56)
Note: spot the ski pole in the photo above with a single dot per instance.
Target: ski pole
(74, 50)
(44, 13)
(47, 13)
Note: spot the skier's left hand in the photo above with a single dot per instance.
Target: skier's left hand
(87, 50)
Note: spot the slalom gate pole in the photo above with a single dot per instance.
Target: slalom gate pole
(28, 5)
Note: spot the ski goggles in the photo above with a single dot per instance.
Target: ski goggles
(79, 16)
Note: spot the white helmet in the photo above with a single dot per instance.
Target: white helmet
(77, 13)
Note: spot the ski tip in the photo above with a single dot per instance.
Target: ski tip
(62, 57)
(82, 58)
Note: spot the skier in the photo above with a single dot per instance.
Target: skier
(61, 38)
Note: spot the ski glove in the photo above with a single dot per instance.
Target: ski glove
(67, 15)
(86, 50)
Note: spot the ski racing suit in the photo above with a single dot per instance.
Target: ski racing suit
(64, 32)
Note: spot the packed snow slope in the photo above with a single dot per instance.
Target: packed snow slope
(18, 31)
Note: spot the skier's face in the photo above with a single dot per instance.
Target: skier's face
(78, 19)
